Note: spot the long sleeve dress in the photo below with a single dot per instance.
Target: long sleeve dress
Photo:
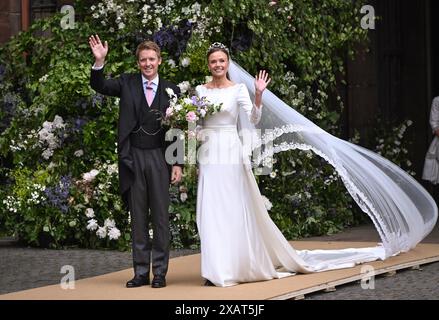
(239, 241)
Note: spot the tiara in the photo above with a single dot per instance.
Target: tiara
(217, 45)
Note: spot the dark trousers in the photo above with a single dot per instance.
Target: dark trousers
(149, 202)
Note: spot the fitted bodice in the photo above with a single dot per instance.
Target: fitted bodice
(233, 98)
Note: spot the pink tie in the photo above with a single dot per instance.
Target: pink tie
(149, 93)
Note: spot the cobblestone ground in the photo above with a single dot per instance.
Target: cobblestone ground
(405, 285)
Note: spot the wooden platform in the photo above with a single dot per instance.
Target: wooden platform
(185, 282)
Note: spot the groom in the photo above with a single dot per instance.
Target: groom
(143, 171)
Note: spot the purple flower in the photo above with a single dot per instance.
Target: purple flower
(82, 103)
(173, 39)
(57, 196)
(79, 123)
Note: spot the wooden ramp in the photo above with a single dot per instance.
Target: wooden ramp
(185, 282)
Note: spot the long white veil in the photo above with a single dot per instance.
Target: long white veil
(402, 211)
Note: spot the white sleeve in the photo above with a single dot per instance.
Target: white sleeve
(198, 91)
(97, 68)
(434, 114)
(254, 113)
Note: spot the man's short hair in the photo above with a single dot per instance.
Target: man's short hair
(148, 45)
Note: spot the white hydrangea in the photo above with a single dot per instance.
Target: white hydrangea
(102, 232)
(112, 169)
(90, 176)
(109, 223)
(184, 86)
(114, 233)
(92, 224)
(90, 213)
(79, 153)
(48, 138)
(185, 62)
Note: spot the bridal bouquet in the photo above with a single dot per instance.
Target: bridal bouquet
(184, 112)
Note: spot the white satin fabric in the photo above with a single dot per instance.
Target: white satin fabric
(239, 241)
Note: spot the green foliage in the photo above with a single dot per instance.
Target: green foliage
(391, 144)
(56, 130)
(307, 195)
(184, 233)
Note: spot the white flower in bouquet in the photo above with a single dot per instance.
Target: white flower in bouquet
(169, 112)
(183, 197)
(170, 92)
(187, 100)
(171, 63)
(189, 109)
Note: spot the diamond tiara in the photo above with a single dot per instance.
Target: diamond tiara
(217, 45)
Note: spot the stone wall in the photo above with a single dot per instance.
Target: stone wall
(10, 19)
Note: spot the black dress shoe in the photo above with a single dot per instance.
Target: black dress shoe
(208, 283)
(138, 281)
(158, 282)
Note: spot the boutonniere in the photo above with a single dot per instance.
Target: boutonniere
(171, 93)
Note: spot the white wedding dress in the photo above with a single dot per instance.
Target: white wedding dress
(239, 241)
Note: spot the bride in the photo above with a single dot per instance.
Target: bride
(239, 241)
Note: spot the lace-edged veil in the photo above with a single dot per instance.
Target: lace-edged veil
(402, 211)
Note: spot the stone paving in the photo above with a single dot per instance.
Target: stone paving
(25, 268)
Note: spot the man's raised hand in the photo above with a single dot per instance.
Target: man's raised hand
(99, 49)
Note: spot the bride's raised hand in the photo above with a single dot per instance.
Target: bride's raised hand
(261, 81)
